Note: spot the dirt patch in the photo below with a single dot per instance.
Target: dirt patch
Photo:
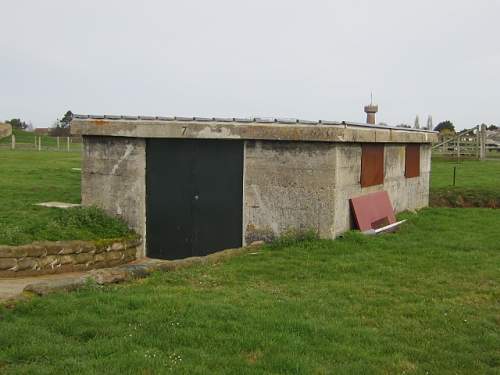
(253, 357)
(464, 198)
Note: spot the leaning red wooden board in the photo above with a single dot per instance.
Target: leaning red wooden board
(372, 210)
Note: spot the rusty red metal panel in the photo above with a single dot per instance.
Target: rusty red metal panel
(372, 164)
(373, 211)
(412, 161)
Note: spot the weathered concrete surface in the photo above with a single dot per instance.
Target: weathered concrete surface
(303, 186)
(404, 193)
(297, 176)
(5, 130)
(13, 288)
(321, 132)
(114, 179)
(288, 186)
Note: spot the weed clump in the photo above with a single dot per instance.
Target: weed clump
(93, 220)
(87, 223)
(293, 237)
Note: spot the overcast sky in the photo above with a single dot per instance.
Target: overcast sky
(311, 59)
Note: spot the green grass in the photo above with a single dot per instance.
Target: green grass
(422, 301)
(493, 154)
(477, 183)
(28, 177)
(22, 137)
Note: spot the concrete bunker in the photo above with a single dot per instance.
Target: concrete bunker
(192, 186)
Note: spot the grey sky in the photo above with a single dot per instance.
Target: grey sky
(313, 59)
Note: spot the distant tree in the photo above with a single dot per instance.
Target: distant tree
(492, 127)
(59, 129)
(417, 123)
(404, 126)
(17, 124)
(429, 122)
(66, 120)
(445, 126)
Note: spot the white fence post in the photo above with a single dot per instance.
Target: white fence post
(67, 142)
(13, 142)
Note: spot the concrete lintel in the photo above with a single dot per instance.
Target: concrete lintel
(244, 130)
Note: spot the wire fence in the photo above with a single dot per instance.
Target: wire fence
(41, 143)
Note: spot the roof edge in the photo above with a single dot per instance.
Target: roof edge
(246, 120)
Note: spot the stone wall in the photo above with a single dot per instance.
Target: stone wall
(113, 178)
(46, 257)
(288, 186)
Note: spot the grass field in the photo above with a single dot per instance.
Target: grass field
(29, 177)
(477, 183)
(26, 141)
(424, 300)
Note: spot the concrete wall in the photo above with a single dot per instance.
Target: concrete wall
(288, 185)
(113, 178)
(404, 193)
(307, 186)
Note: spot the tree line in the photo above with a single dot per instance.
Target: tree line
(60, 128)
(447, 126)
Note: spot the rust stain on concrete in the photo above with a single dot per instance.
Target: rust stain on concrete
(98, 122)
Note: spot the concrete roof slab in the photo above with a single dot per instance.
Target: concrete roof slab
(238, 128)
